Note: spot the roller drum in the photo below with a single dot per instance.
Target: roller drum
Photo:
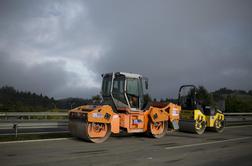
(80, 129)
(157, 129)
(190, 126)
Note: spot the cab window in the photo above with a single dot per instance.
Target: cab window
(132, 87)
(133, 92)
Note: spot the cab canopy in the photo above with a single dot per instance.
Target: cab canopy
(124, 90)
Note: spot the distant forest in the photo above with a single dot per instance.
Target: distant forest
(12, 100)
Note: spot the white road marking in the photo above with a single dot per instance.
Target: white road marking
(238, 126)
(175, 147)
(37, 140)
(206, 143)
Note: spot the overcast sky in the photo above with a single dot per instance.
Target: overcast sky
(61, 48)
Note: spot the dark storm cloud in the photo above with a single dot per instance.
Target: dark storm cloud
(60, 48)
(49, 47)
(175, 42)
(45, 76)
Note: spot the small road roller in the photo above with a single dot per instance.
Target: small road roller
(196, 117)
(124, 108)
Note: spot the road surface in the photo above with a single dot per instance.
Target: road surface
(233, 147)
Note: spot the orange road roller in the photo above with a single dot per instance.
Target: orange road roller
(125, 108)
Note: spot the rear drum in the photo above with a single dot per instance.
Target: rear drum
(158, 129)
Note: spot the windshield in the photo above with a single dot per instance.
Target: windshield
(106, 85)
(187, 97)
(118, 91)
(132, 87)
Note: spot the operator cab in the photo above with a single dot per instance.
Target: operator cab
(189, 100)
(187, 97)
(124, 91)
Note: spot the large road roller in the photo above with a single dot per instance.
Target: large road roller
(124, 108)
(195, 116)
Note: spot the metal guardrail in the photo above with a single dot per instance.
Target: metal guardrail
(13, 127)
(238, 113)
(4, 114)
(16, 121)
(238, 118)
(29, 115)
(25, 124)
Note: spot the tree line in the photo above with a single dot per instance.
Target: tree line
(20, 101)
(12, 100)
(226, 99)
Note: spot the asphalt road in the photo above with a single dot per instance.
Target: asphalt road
(233, 147)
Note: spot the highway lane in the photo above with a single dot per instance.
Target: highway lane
(233, 147)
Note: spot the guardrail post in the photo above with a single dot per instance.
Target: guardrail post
(15, 127)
